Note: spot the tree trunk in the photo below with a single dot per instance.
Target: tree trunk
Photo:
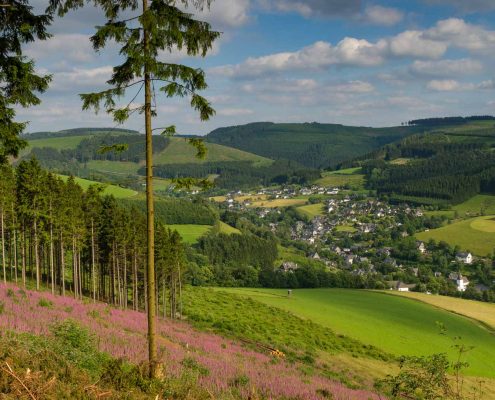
(152, 355)
(15, 243)
(23, 255)
(36, 255)
(3, 252)
(52, 262)
(62, 262)
(93, 268)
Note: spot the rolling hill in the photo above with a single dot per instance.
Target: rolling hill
(311, 144)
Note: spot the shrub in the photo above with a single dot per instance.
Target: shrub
(45, 303)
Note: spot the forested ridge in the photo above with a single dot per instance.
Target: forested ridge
(241, 174)
(311, 144)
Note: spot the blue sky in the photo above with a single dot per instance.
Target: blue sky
(355, 62)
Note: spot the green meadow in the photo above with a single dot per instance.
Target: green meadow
(345, 177)
(179, 152)
(312, 210)
(474, 234)
(116, 191)
(191, 233)
(394, 324)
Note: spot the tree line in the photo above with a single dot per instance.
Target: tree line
(80, 243)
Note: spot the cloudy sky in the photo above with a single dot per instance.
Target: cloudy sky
(355, 62)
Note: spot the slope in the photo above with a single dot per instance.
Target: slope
(394, 324)
(311, 144)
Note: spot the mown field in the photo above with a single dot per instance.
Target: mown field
(474, 234)
(191, 233)
(276, 203)
(59, 143)
(116, 191)
(312, 210)
(483, 312)
(346, 177)
(392, 323)
(179, 152)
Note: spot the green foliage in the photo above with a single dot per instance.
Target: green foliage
(241, 174)
(311, 144)
(20, 82)
(77, 345)
(45, 303)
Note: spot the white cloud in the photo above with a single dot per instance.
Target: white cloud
(458, 33)
(226, 13)
(445, 85)
(451, 85)
(432, 43)
(81, 78)
(379, 15)
(446, 68)
(69, 47)
(234, 112)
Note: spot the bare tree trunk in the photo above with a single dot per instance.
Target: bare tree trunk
(125, 278)
(180, 292)
(3, 251)
(36, 255)
(150, 214)
(135, 296)
(62, 262)
(93, 268)
(52, 261)
(23, 255)
(15, 243)
(74, 267)
(119, 286)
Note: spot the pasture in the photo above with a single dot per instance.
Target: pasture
(116, 191)
(395, 324)
(480, 204)
(180, 152)
(474, 234)
(124, 168)
(347, 177)
(312, 210)
(276, 203)
(229, 230)
(190, 233)
(483, 312)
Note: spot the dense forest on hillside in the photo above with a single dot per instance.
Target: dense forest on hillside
(55, 234)
(93, 148)
(434, 122)
(78, 132)
(241, 174)
(311, 144)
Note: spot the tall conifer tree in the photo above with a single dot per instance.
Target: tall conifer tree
(158, 26)
(20, 82)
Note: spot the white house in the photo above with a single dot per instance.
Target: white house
(462, 283)
(466, 258)
(421, 247)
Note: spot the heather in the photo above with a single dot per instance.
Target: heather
(220, 366)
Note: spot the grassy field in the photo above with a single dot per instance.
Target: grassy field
(116, 191)
(345, 228)
(392, 323)
(191, 233)
(474, 234)
(114, 167)
(179, 152)
(477, 205)
(278, 203)
(312, 210)
(225, 228)
(346, 177)
(483, 312)
(61, 143)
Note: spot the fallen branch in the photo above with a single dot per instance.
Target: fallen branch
(9, 371)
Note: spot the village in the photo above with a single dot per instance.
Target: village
(356, 233)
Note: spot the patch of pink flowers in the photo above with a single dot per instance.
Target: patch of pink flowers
(123, 335)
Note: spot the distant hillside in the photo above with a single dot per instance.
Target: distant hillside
(180, 152)
(449, 164)
(311, 144)
(78, 132)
